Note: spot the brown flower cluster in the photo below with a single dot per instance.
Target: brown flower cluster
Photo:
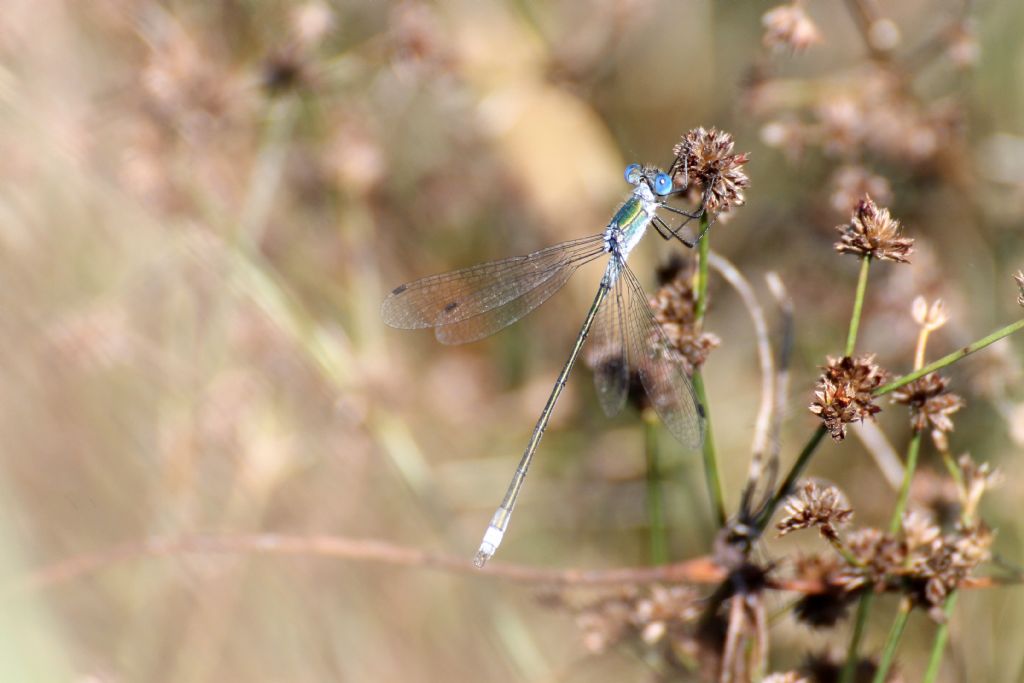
(874, 233)
(843, 393)
(674, 307)
(918, 557)
(655, 615)
(789, 27)
(704, 161)
(975, 480)
(929, 403)
(818, 506)
(863, 113)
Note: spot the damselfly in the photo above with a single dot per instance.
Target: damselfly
(470, 304)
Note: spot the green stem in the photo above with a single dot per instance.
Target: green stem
(908, 474)
(951, 358)
(712, 474)
(893, 641)
(849, 672)
(655, 500)
(858, 305)
(703, 250)
(794, 473)
(952, 468)
(939, 646)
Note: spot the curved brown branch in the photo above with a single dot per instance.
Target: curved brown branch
(701, 570)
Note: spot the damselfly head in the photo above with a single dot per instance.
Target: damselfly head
(660, 183)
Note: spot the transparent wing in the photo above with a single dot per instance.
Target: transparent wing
(607, 353)
(489, 322)
(510, 288)
(660, 369)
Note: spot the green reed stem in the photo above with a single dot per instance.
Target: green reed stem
(893, 641)
(849, 672)
(908, 474)
(951, 358)
(703, 252)
(712, 475)
(939, 646)
(858, 305)
(658, 540)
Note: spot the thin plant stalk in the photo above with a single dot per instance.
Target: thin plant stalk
(951, 358)
(939, 646)
(858, 305)
(893, 641)
(908, 475)
(658, 539)
(712, 474)
(859, 626)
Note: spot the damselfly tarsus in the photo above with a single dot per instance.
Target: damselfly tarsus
(473, 303)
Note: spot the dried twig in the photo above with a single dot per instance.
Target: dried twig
(762, 426)
(699, 571)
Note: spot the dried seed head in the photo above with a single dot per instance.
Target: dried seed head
(929, 403)
(704, 160)
(947, 563)
(928, 317)
(649, 614)
(843, 393)
(919, 560)
(919, 531)
(674, 307)
(789, 27)
(873, 232)
(1019, 277)
(977, 479)
(816, 506)
(878, 554)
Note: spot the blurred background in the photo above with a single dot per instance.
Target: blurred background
(202, 205)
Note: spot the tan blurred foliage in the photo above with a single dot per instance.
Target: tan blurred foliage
(202, 204)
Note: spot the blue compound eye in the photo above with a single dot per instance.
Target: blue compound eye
(633, 174)
(662, 184)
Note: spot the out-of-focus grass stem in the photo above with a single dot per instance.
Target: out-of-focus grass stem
(939, 645)
(908, 475)
(849, 671)
(893, 641)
